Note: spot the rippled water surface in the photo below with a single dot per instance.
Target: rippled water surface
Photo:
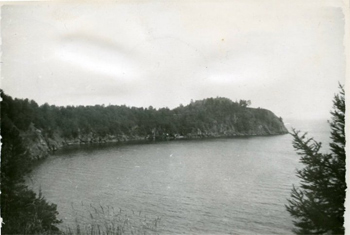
(236, 186)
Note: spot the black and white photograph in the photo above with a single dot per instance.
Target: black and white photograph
(174, 117)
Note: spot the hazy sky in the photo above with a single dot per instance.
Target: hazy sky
(286, 56)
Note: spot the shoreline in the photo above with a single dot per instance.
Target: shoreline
(82, 145)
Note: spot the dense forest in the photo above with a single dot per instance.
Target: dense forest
(212, 117)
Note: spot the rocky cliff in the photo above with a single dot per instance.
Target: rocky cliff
(46, 128)
(41, 145)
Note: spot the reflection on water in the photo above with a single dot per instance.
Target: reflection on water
(234, 186)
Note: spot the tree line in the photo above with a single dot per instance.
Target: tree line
(72, 121)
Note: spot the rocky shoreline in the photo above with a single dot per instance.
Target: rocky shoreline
(40, 146)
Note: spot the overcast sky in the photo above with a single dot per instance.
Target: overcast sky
(286, 56)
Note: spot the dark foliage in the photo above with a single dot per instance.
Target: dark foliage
(318, 205)
(197, 117)
(23, 212)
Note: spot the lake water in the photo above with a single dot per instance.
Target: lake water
(216, 186)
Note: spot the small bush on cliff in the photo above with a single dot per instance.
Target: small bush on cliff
(318, 205)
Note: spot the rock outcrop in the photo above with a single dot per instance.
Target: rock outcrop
(41, 145)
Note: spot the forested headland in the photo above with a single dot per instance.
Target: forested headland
(46, 128)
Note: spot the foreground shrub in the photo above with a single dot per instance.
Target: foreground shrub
(108, 220)
(318, 205)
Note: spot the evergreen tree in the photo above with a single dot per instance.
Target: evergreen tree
(318, 204)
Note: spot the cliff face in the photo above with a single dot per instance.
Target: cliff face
(46, 128)
(41, 145)
(253, 126)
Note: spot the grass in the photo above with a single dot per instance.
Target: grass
(106, 220)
